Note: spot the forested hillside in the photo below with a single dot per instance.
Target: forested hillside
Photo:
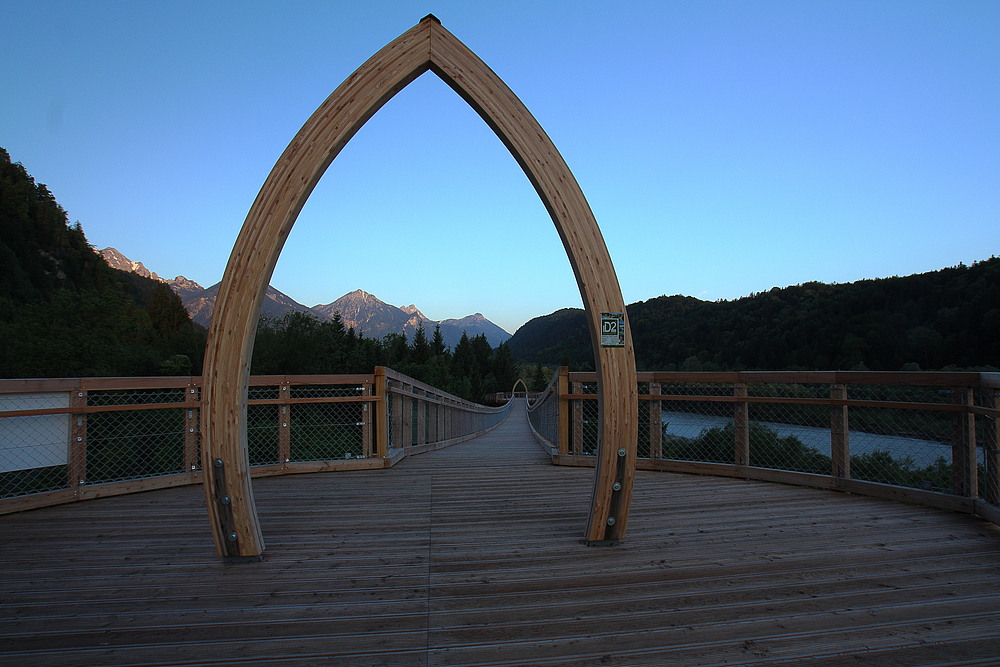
(941, 319)
(64, 312)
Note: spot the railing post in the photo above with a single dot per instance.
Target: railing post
(963, 445)
(655, 423)
(840, 438)
(284, 425)
(437, 422)
(741, 425)
(381, 407)
(990, 488)
(366, 422)
(406, 403)
(192, 419)
(562, 387)
(577, 418)
(396, 433)
(420, 407)
(76, 471)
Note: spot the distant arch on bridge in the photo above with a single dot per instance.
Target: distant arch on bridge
(513, 391)
(426, 46)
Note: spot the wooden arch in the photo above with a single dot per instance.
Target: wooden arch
(513, 392)
(426, 46)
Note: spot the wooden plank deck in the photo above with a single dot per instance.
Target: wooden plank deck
(472, 556)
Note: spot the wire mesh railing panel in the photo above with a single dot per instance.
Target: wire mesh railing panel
(134, 444)
(900, 393)
(696, 389)
(697, 430)
(326, 431)
(795, 410)
(584, 433)
(136, 396)
(902, 447)
(392, 418)
(326, 391)
(263, 393)
(647, 418)
(791, 436)
(263, 423)
(34, 450)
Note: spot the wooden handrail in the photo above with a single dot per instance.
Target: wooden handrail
(967, 494)
(372, 395)
(564, 389)
(903, 378)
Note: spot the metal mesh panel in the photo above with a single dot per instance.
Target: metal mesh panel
(326, 431)
(902, 447)
(135, 397)
(391, 410)
(790, 436)
(696, 430)
(645, 414)
(35, 450)
(327, 391)
(264, 393)
(900, 393)
(584, 434)
(134, 444)
(262, 433)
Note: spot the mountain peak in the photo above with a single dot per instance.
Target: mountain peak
(358, 294)
(116, 260)
(413, 310)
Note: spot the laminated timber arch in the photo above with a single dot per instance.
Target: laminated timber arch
(513, 391)
(426, 46)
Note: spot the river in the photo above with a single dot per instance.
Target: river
(922, 452)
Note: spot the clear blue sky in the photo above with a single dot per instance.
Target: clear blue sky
(725, 147)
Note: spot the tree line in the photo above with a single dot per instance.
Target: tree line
(938, 320)
(299, 343)
(64, 312)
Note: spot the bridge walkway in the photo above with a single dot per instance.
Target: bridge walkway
(472, 555)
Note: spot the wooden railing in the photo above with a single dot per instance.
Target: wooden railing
(927, 438)
(69, 439)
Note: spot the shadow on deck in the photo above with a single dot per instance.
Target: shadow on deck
(472, 555)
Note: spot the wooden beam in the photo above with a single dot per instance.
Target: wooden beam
(192, 420)
(284, 425)
(564, 411)
(741, 424)
(77, 468)
(840, 439)
(655, 422)
(990, 484)
(963, 449)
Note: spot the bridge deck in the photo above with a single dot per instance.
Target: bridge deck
(471, 556)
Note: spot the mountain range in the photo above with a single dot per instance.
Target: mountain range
(366, 313)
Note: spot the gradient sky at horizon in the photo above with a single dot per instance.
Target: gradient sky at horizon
(725, 147)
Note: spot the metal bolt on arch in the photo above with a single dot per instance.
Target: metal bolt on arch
(426, 46)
